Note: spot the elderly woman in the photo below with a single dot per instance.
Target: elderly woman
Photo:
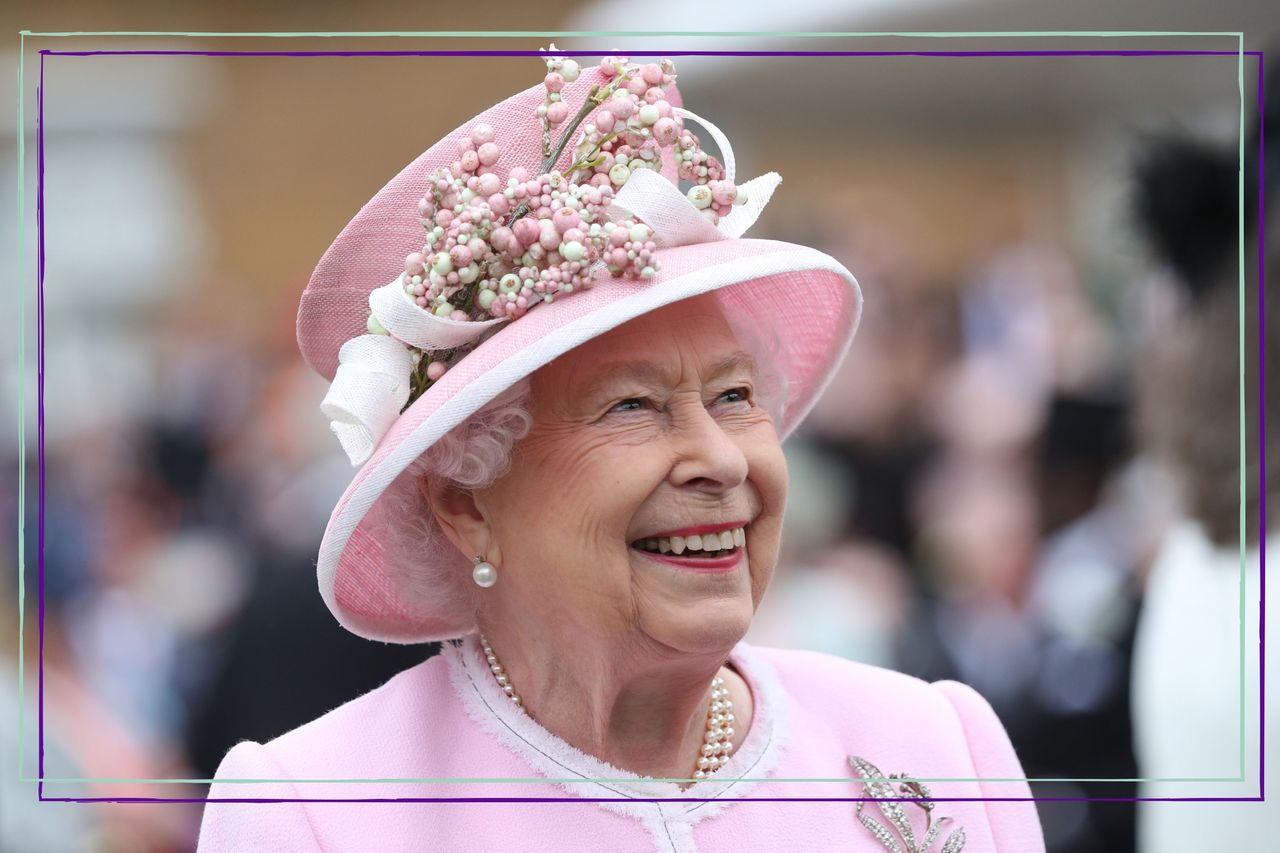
(567, 410)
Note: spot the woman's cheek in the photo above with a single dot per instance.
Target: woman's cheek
(768, 470)
(769, 474)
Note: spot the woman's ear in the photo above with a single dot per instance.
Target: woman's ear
(460, 518)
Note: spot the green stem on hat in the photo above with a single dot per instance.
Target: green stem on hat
(418, 381)
(595, 98)
(469, 298)
(590, 104)
(590, 160)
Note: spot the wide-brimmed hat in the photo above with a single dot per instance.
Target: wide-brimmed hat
(805, 299)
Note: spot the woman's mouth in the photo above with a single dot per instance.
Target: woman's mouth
(709, 552)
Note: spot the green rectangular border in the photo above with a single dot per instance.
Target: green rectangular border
(21, 182)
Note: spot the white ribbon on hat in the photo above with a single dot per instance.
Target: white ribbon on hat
(405, 320)
(368, 391)
(674, 219)
(371, 384)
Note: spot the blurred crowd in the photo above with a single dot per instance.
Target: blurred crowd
(971, 500)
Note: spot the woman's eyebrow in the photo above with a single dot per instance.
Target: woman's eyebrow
(612, 373)
(735, 362)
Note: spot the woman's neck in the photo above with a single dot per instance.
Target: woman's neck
(642, 712)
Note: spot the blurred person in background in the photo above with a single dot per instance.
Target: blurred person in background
(105, 715)
(1024, 568)
(1187, 688)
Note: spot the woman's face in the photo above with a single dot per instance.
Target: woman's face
(651, 428)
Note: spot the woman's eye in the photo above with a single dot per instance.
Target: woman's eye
(742, 395)
(636, 404)
(631, 404)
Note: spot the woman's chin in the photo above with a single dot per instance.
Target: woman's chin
(692, 610)
(709, 626)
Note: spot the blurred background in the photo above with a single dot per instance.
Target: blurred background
(981, 495)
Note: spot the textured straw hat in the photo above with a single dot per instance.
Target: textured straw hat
(808, 300)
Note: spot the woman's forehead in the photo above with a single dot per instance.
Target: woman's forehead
(654, 347)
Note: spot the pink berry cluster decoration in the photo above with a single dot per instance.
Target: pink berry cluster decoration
(633, 127)
(498, 245)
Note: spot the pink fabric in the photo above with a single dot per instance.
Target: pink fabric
(436, 721)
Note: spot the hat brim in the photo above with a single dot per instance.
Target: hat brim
(812, 301)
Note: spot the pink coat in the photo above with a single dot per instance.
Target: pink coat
(446, 720)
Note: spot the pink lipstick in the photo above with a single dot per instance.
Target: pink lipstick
(704, 565)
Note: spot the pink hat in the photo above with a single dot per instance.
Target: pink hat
(811, 302)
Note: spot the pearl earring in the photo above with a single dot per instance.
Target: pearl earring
(484, 574)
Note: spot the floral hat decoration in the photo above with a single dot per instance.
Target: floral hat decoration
(547, 220)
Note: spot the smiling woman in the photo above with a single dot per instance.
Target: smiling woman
(586, 499)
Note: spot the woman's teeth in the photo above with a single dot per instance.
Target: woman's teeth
(708, 544)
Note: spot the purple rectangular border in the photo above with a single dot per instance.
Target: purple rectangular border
(40, 269)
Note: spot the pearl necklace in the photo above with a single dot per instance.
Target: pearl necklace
(717, 742)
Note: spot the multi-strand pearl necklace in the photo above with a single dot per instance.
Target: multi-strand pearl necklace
(716, 745)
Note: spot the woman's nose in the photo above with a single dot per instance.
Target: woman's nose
(708, 458)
